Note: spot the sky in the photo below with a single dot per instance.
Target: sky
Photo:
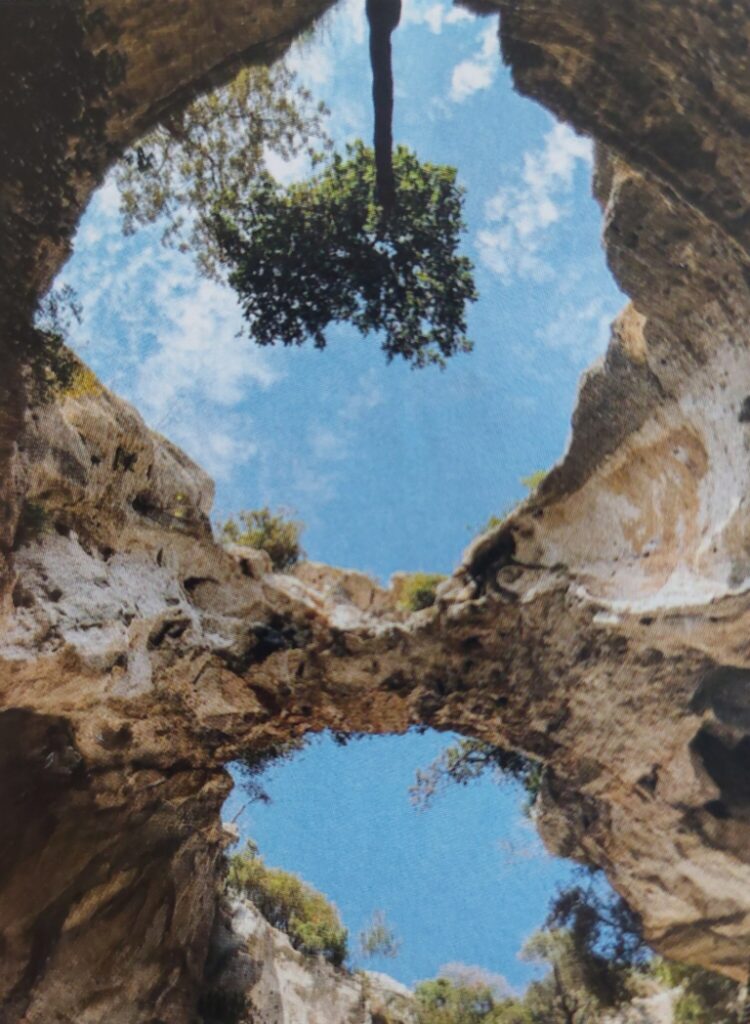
(389, 468)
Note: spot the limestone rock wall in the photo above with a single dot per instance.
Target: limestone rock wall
(253, 968)
(602, 628)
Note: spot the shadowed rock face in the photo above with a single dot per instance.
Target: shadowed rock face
(603, 628)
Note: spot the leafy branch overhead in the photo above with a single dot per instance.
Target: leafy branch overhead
(320, 252)
(210, 153)
(316, 253)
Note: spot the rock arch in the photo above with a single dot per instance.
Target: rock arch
(137, 657)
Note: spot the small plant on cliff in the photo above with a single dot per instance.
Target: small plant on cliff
(378, 938)
(468, 996)
(272, 532)
(53, 364)
(323, 251)
(418, 590)
(310, 920)
(210, 154)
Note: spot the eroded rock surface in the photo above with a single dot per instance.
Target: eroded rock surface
(603, 628)
(255, 972)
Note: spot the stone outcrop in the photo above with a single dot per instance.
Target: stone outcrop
(602, 628)
(255, 973)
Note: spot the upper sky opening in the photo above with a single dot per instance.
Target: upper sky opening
(390, 468)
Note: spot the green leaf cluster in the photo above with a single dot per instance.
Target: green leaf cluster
(210, 153)
(705, 997)
(418, 590)
(323, 251)
(469, 759)
(444, 1001)
(308, 918)
(272, 532)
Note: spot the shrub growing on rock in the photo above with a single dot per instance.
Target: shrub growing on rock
(418, 590)
(272, 532)
(308, 918)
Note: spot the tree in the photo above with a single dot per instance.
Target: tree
(606, 935)
(705, 997)
(562, 996)
(210, 154)
(378, 938)
(470, 759)
(467, 999)
(254, 762)
(321, 252)
(267, 531)
(440, 1001)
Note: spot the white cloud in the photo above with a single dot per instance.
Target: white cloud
(312, 62)
(198, 356)
(525, 212)
(581, 330)
(478, 72)
(433, 14)
(457, 14)
(287, 171)
(333, 441)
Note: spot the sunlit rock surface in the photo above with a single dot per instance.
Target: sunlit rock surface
(603, 628)
(253, 968)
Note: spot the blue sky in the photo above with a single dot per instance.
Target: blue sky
(389, 468)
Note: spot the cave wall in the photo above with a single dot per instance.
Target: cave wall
(602, 628)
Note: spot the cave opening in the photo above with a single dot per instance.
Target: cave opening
(390, 470)
(461, 878)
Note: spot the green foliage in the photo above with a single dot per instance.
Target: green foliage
(470, 759)
(467, 1000)
(418, 590)
(378, 938)
(308, 918)
(605, 935)
(533, 480)
(323, 251)
(210, 154)
(531, 483)
(253, 763)
(83, 381)
(53, 364)
(267, 531)
(706, 997)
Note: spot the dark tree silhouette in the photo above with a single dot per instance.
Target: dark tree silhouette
(383, 16)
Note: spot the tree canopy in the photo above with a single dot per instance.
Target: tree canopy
(322, 251)
(210, 153)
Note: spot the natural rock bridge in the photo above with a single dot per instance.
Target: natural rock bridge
(603, 628)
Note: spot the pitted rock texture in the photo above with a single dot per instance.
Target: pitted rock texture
(602, 628)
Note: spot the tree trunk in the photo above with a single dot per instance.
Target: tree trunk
(383, 16)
